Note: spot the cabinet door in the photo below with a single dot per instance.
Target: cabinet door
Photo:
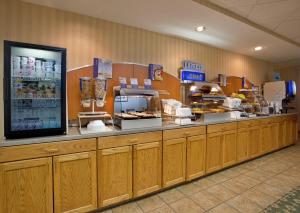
(266, 137)
(196, 150)
(26, 186)
(229, 148)
(294, 130)
(174, 161)
(242, 144)
(282, 136)
(214, 152)
(274, 136)
(75, 182)
(146, 168)
(114, 175)
(254, 142)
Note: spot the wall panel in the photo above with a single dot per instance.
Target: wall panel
(86, 37)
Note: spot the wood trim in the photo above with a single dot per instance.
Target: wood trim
(46, 149)
(136, 148)
(189, 175)
(130, 139)
(221, 127)
(57, 180)
(183, 132)
(17, 165)
(109, 201)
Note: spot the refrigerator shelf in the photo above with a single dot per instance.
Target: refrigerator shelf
(26, 78)
(36, 98)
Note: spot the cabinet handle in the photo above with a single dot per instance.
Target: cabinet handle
(51, 150)
(133, 140)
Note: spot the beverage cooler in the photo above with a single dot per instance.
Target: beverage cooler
(34, 90)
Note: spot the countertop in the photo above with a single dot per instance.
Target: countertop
(73, 132)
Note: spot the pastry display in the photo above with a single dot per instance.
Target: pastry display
(126, 116)
(142, 114)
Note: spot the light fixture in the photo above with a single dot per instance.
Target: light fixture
(258, 48)
(193, 88)
(200, 29)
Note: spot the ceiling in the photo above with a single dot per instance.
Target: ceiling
(280, 16)
(180, 17)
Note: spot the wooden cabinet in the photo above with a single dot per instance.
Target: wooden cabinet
(196, 154)
(174, 161)
(147, 166)
(266, 137)
(243, 139)
(75, 182)
(274, 136)
(214, 152)
(254, 142)
(26, 186)
(294, 130)
(114, 175)
(229, 148)
(282, 136)
(291, 130)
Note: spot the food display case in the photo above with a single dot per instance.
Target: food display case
(204, 98)
(253, 102)
(136, 108)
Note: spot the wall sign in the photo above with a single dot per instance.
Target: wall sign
(102, 67)
(155, 72)
(192, 66)
(187, 75)
(191, 72)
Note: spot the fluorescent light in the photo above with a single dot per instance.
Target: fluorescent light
(200, 29)
(258, 48)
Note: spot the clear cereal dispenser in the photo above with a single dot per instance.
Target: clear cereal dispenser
(100, 90)
(85, 91)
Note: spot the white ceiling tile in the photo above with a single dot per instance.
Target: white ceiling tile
(245, 2)
(242, 10)
(289, 28)
(267, 1)
(270, 24)
(224, 3)
(295, 14)
(275, 10)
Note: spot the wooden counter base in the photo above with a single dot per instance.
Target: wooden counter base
(83, 175)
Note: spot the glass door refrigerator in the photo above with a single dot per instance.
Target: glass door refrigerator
(34, 90)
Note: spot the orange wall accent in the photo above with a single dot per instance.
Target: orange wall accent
(234, 84)
(170, 84)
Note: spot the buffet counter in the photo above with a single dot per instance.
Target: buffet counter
(81, 173)
(73, 132)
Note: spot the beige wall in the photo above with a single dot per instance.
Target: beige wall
(87, 37)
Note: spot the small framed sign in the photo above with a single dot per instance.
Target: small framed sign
(155, 72)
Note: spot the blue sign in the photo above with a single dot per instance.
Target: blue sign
(187, 75)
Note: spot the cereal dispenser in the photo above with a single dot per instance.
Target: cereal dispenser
(93, 92)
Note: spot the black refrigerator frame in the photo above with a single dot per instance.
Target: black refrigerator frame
(7, 92)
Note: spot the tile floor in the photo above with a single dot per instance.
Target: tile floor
(249, 187)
